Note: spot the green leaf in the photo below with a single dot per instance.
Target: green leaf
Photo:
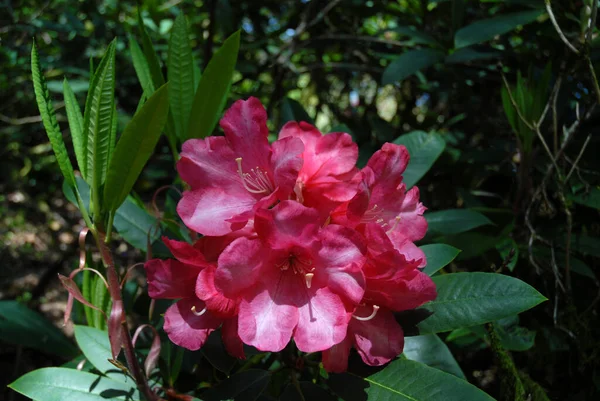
(98, 120)
(505, 248)
(410, 62)
(424, 149)
(292, 110)
(248, 384)
(471, 244)
(142, 70)
(134, 223)
(469, 299)
(180, 74)
(60, 384)
(468, 54)
(213, 89)
(135, 147)
(75, 122)
(416, 37)
(95, 346)
(432, 351)
(454, 221)
(438, 256)
(21, 326)
(406, 380)
(42, 97)
(486, 29)
(150, 55)
(589, 199)
(84, 191)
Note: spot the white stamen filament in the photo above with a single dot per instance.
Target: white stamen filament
(371, 214)
(202, 312)
(371, 316)
(308, 277)
(397, 220)
(256, 183)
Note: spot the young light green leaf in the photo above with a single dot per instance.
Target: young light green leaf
(424, 149)
(95, 346)
(98, 120)
(213, 89)
(75, 122)
(406, 380)
(135, 147)
(469, 299)
(42, 96)
(438, 256)
(486, 29)
(454, 221)
(180, 73)
(60, 384)
(410, 62)
(432, 351)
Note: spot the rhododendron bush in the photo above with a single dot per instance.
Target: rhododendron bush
(278, 265)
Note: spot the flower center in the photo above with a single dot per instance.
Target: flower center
(299, 266)
(256, 181)
(374, 215)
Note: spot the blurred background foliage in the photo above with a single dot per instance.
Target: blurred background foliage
(375, 69)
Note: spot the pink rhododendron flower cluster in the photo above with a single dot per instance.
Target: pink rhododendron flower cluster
(297, 243)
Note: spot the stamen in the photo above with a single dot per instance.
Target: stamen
(397, 220)
(371, 316)
(256, 183)
(308, 277)
(202, 312)
(371, 214)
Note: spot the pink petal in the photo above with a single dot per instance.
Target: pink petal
(412, 223)
(407, 248)
(335, 359)
(185, 252)
(170, 279)
(268, 314)
(378, 340)
(287, 162)
(186, 329)
(323, 321)
(240, 265)
(216, 302)
(231, 339)
(286, 225)
(208, 163)
(207, 210)
(245, 127)
(211, 247)
(389, 163)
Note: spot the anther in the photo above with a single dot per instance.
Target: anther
(397, 220)
(371, 316)
(257, 183)
(202, 312)
(308, 277)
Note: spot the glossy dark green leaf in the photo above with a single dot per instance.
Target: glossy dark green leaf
(512, 337)
(98, 120)
(469, 299)
(150, 55)
(95, 346)
(292, 110)
(424, 149)
(432, 351)
(467, 55)
(471, 244)
(509, 251)
(410, 62)
(180, 74)
(75, 122)
(590, 199)
(306, 391)
(415, 37)
(486, 29)
(61, 384)
(406, 380)
(455, 221)
(135, 147)
(246, 385)
(438, 256)
(134, 223)
(213, 89)
(21, 326)
(42, 97)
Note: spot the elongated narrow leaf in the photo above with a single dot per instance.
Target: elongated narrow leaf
(469, 299)
(142, 70)
(21, 326)
(135, 147)
(409, 63)
(454, 221)
(98, 119)
(150, 54)
(432, 351)
(61, 384)
(406, 380)
(95, 346)
(42, 97)
(438, 256)
(134, 223)
(485, 29)
(213, 89)
(180, 73)
(424, 149)
(75, 122)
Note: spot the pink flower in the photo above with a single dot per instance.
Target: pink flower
(329, 164)
(393, 283)
(296, 279)
(232, 176)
